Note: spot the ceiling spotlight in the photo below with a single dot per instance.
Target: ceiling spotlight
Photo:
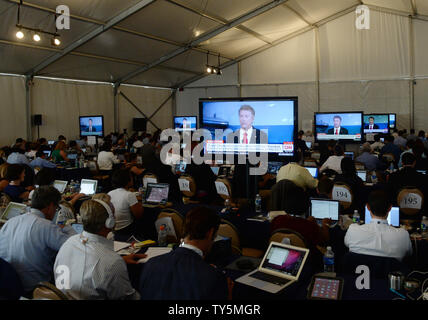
(209, 69)
(215, 70)
(37, 37)
(56, 41)
(20, 34)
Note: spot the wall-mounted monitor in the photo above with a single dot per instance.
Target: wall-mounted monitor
(392, 121)
(376, 123)
(267, 125)
(344, 126)
(185, 123)
(91, 126)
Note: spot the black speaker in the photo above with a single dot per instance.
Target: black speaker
(37, 119)
(140, 124)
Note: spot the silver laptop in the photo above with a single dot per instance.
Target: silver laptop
(88, 187)
(325, 209)
(12, 210)
(60, 185)
(281, 266)
(362, 174)
(157, 193)
(313, 171)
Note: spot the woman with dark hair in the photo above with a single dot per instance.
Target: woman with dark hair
(15, 174)
(127, 207)
(349, 177)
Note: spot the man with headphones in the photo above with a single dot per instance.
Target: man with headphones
(86, 266)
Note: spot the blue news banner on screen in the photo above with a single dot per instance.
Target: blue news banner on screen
(273, 120)
(339, 126)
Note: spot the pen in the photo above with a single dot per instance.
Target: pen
(397, 293)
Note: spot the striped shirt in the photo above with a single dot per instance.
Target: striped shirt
(96, 271)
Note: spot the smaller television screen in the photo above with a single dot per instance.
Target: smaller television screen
(185, 123)
(339, 126)
(376, 123)
(91, 126)
(392, 120)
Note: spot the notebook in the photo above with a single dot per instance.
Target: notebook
(60, 185)
(393, 217)
(88, 187)
(281, 266)
(157, 193)
(12, 210)
(325, 209)
(313, 171)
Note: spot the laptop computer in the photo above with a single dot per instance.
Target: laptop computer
(281, 266)
(47, 153)
(422, 171)
(88, 187)
(362, 174)
(12, 210)
(51, 142)
(308, 144)
(393, 217)
(72, 156)
(60, 185)
(157, 193)
(325, 209)
(181, 166)
(273, 167)
(215, 170)
(313, 171)
(349, 154)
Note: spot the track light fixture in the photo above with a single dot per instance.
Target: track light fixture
(212, 69)
(36, 33)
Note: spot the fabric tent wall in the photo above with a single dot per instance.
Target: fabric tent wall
(13, 113)
(367, 70)
(62, 102)
(147, 100)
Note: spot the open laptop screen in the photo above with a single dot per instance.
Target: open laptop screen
(325, 209)
(284, 260)
(362, 175)
(157, 192)
(393, 217)
(215, 170)
(313, 171)
(72, 156)
(88, 187)
(308, 144)
(60, 185)
(13, 209)
(273, 167)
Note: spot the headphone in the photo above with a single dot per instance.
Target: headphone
(110, 222)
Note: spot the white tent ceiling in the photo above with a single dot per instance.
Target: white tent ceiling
(134, 49)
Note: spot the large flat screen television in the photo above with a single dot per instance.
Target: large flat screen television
(185, 123)
(91, 126)
(343, 126)
(376, 123)
(267, 125)
(392, 121)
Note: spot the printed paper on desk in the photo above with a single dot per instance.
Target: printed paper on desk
(184, 184)
(149, 180)
(120, 245)
(221, 188)
(92, 140)
(154, 252)
(169, 226)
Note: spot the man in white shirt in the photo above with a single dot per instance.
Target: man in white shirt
(334, 162)
(95, 270)
(378, 238)
(106, 158)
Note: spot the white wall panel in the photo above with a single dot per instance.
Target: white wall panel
(13, 116)
(292, 61)
(421, 47)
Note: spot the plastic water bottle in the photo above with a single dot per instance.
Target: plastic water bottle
(374, 178)
(258, 203)
(61, 218)
(424, 226)
(162, 240)
(329, 260)
(356, 217)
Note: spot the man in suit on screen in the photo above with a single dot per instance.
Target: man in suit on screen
(337, 130)
(90, 128)
(371, 125)
(247, 134)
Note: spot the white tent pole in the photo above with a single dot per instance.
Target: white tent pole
(28, 85)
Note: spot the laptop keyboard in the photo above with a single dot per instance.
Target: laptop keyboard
(269, 278)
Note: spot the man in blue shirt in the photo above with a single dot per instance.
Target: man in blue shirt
(30, 242)
(41, 161)
(390, 147)
(17, 156)
(370, 161)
